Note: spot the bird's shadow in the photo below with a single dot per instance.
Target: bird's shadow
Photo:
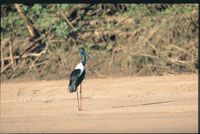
(145, 104)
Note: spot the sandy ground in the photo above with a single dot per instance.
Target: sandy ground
(128, 104)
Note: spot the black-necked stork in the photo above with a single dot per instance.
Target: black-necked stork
(77, 76)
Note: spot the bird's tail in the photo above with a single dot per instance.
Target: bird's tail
(72, 87)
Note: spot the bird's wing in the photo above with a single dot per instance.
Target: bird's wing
(75, 74)
(73, 80)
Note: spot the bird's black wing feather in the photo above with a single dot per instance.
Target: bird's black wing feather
(73, 80)
(75, 74)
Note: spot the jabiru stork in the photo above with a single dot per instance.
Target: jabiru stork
(77, 76)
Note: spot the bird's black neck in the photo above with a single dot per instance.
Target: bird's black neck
(83, 59)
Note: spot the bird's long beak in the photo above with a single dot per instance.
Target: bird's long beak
(88, 55)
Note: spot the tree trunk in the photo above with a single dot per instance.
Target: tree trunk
(33, 32)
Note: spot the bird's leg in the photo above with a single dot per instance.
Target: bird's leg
(80, 97)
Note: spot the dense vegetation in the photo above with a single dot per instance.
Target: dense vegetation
(41, 40)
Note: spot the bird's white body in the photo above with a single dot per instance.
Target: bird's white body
(81, 67)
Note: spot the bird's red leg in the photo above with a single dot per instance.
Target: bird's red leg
(80, 97)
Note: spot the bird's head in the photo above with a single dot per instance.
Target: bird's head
(83, 52)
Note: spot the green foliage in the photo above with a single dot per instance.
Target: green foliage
(24, 8)
(9, 24)
(44, 17)
(65, 6)
(131, 34)
(37, 8)
(133, 10)
(63, 30)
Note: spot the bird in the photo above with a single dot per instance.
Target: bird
(77, 76)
